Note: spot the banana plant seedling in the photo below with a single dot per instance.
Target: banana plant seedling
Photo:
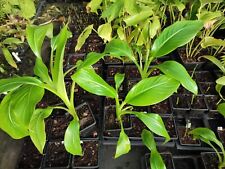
(208, 136)
(18, 112)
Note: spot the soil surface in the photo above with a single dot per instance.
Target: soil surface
(161, 108)
(185, 138)
(210, 161)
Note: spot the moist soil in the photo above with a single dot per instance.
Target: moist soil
(204, 76)
(132, 72)
(221, 134)
(90, 155)
(113, 70)
(56, 155)
(210, 160)
(198, 103)
(207, 88)
(212, 101)
(180, 101)
(184, 163)
(161, 108)
(185, 138)
(167, 158)
(30, 157)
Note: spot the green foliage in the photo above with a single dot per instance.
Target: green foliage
(123, 144)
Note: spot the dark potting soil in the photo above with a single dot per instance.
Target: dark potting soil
(212, 102)
(167, 158)
(112, 70)
(170, 126)
(198, 103)
(56, 155)
(132, 72)
(210, 160)
(180, 101)
(155, 72)
(130, 83)
(112, 60)
(95, 44)
(207, 88)
(182, 90)
(137, 127)
(161, 108)
(185, 138)
(184, 163)
(204, 76)
(90, 155)
(30, 157)
(221, 134)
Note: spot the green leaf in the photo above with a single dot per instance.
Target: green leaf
(221, 81)
(113, 10)
(15, 82)
(152, 90)
(93, 83)
(91, 59)
(83, 36)
(174, 36)
(41, 70)
(218, 89)
(211, 42)
(216, 62)
(94, 5)
(131, 6)
(118, 48)
(207, 16)
(27, 8)
(9, 57)
(35, 36)
(221, 108)
(105, 31)
(9, 41)
(204, 2)
(178, 72)
(137, 18)
(156, 160)
(72, 138)
(119, 78)
(154, 123)
(123, 144)
(155, 26)
(37, 127)
(120, 33)
(8, 124)
(148, 139)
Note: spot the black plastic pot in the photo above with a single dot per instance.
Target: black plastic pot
(185, 162)
(212, 102)
(198, 106)
(207, 88)
(204, 76)
(210, 160)
(90, 158)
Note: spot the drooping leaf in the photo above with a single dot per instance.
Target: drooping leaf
(218, 89)
(37, 127)
(27, 8)
(105, 31)
(174, 36)
(178, 72)
(72, 138)
(15, 82)
(211, 41)
(119, 48)
(9, 57)
(11, 40)
(152, 90)
(94, 5)
(154, 123)
(156, 160)
(131, 6)
(207, 16)
(148, 139)
(120, 33)
(93, 83)
(155, 26)
(35, 36)
(83, 36)
(216, 62)
(123, 144)
(91, 59)
(137, 18)
(119, 78)
(221, 108)
(221, 81)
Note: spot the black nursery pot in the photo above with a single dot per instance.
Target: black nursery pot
(180, 105)
(210, 160)
(167, 158)
(204, 76)
(207, 88)
(90, 158)
(56, 156)
(29, 157)
(185, 162)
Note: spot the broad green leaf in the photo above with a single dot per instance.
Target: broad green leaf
(9, 41)
(23, 103)
(83, 36)
(156, 160)
(91, 59)
(41, 70)
(206, 135)
(178, 72)
(119, 78)
(9, 57)
(105, 31)
(211, 42)
(15, 82)
(152, 90)
(113, 10)
(120, 33)
(154, 123)
(221, 81)
(37, 127)
(35, 36)
(118, 48)
(131, 6)
(216, 62)
(148, 139)
(137, 18)
(155, 26)
(123, 144)
(174, 36)
(207, 16)
(8, 124)
(93, 83)
(180, 6)
(72, 138)
(221, 108)
(27, 8)
(94, 5)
